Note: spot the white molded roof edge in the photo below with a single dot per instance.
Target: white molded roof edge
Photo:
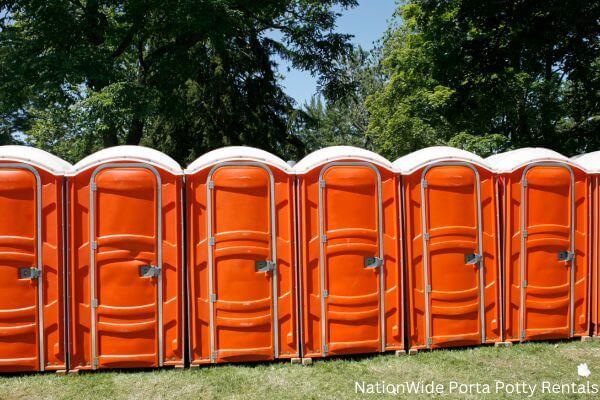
(590, 162)
(335, 153)
(36, 157)
(430, 155)
(139, 154)
(514, 159)
(236, 153)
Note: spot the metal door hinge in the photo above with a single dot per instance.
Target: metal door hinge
(29, 273)
(93, 187)
(428, 288)
(211, 185)
(322, 183)
(325, 349)
(264, 266)
(524, 283)
(94, 245)
(213, 298)
(525, 183)
(323, 238)
(149, 271)
(426, 236)
(94, 303)
(211, 241)
(566, 256)
(95, 362)
(525, 233)
(373, 262)
(429, 341)
(424, 183)
(523, 335)
(325, 294)
(213, 356)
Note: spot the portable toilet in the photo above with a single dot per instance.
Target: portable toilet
(126, 260)
(546, 244)
(452, 248)
(591, 163)
(32, 305)
(241, 257)
(350, 257)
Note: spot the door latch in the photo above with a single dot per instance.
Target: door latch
(264, 266)
(373, 262)
(29, 273)
(149, 271)
(565, 256)
(472, 258)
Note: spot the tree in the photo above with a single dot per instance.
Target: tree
(343, 121)
(490, 75)
(180, 76)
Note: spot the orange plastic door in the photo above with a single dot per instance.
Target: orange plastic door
(125, 227)
(20, 283)
(452, 248)
(547, 237)
(242, 263)
(351, 259)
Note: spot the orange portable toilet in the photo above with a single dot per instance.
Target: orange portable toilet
(591, 163)
(126, 260)
(452, 248)
(32, 311)
(546, 244)
(349, 243)
(241, 264)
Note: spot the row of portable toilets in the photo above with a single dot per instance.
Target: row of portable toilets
(126, 260)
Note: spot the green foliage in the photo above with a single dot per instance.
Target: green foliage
(343, 121)
(490, 75)
(181, 76)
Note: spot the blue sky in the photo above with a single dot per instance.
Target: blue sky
(367, 22)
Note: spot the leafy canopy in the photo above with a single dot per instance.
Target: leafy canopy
(180, 76)
(488, 75)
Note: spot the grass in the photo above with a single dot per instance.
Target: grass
(329, 379)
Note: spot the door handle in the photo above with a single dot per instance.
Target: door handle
(566, 256)
(373, 262)
(29, 273)
(473, 258)
(264, 266)
(149, 271)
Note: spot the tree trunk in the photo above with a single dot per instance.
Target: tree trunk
(134, 136)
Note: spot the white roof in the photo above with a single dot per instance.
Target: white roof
(236, 153)
(512, 160)
(128, 153)
(588, 161)
(430, 155)
(36, 157)
(334, 153)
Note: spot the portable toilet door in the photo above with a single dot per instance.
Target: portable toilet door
(32, 311)
(452, 248)
(590, 162)
(350, 277)
(545, 221)
(126, 268)
(241, 264)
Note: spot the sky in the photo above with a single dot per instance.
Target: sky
(367, 22)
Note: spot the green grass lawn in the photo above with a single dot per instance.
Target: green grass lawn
(531, 363)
